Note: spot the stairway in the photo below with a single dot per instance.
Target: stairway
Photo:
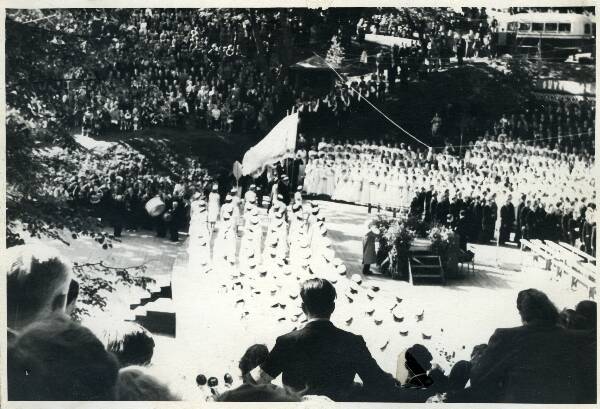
(155, 312)
(425, 267)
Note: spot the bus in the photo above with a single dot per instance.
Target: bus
(552, 36)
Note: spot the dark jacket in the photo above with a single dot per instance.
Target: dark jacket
(533, 363)
(323, 359)
(507, 214)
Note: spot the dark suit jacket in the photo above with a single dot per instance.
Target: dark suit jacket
(323, 359)
(534, 363)
(507, 214)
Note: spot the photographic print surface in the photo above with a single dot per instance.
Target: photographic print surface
(298, 205)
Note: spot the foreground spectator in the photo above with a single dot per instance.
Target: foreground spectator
(58, 359)
(136, 384)
(321, 359)
(253, 357)
(533, 363)
(37, 284)
(259, 393)
(131, 343)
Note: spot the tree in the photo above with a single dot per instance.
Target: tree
(336, 53)
(39, 64)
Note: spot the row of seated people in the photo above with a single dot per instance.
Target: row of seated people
(549, 359)
(491, 174)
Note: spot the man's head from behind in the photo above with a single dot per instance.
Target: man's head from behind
(318, 298)
(58, 359)
(535, 306)
(37, 283)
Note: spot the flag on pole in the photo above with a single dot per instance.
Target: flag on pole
(278, 144)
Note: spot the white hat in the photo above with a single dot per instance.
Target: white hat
(356, 278)
(341, 269)
(328, 254)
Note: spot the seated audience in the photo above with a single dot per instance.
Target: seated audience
(136, 384)
(131, 343)
(259, 393)
(532, 363)
(321, 359)
(58, 359)
(253, 357)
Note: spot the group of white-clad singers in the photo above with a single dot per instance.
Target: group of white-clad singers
(295, 237)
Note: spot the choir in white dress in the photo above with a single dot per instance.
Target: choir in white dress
(289, 241)
(390, 176)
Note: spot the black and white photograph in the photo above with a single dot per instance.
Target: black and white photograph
(296, 204)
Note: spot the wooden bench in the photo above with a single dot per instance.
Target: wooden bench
(542, 250)
(569, 262)
(582, 254)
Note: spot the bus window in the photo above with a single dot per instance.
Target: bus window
(551, 27)
(524, 26)
(537, 26)
(512, 26)
(564, 27)
(586, 29)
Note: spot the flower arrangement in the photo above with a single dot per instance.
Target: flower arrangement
(400, 235)
(440, 237)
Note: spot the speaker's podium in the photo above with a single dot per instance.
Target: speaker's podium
(423, 264)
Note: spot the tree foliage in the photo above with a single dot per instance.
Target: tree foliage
(40, 66)
(97, 279)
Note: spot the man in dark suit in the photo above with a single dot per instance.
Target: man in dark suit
(443, 208)
(533, 363)
(462, 229)
(428, 196)
(433, 205)
(283, 189)
(321, 359)
(519, 230)
(507, 218)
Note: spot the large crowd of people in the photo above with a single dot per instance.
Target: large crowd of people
(115, 186)
(549, 359)
(212, 69)
(524, 184)
(529, 176)
(435, 34)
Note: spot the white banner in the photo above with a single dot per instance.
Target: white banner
(278, 144)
